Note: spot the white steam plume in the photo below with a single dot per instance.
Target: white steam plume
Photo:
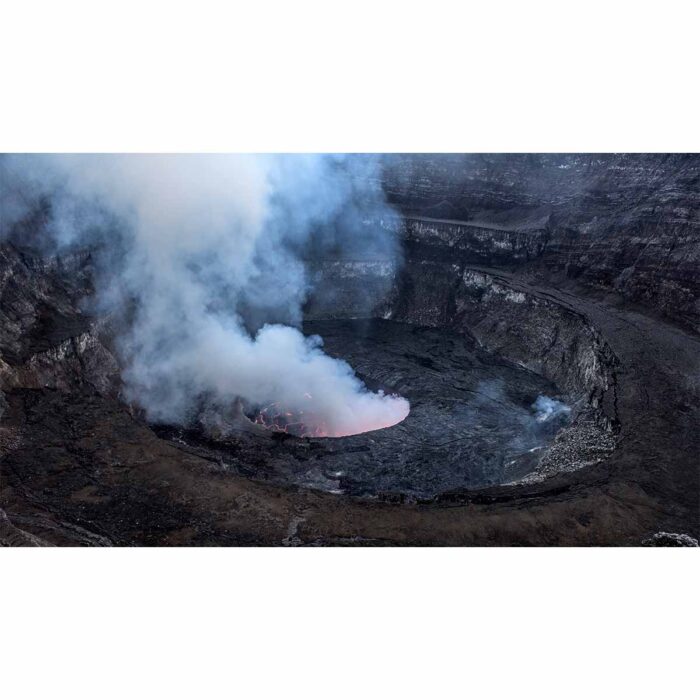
(208, 253)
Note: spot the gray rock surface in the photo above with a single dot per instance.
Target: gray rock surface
(623, 222)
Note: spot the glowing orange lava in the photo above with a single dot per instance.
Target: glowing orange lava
(307, 423)
(300, 423)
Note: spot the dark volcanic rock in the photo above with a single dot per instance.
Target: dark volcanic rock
(46, 339)
(628, 222)
(558, 267)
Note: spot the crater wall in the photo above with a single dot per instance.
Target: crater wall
(624, 223)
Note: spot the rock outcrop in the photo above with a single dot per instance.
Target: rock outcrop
(626, 223)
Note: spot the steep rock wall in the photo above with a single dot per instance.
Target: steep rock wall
(628, 223)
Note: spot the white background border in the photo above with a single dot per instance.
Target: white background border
(370, 75)
(361, 76)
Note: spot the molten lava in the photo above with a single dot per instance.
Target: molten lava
(309, 423)
(302, 423)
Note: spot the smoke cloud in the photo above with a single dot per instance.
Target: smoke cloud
(547, 409)
(206, 255)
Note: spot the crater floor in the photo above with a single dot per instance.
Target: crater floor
(472, 422)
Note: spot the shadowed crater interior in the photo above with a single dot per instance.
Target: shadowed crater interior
(476, 418)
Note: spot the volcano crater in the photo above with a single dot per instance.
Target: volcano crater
(477, 420)
(490, 317)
